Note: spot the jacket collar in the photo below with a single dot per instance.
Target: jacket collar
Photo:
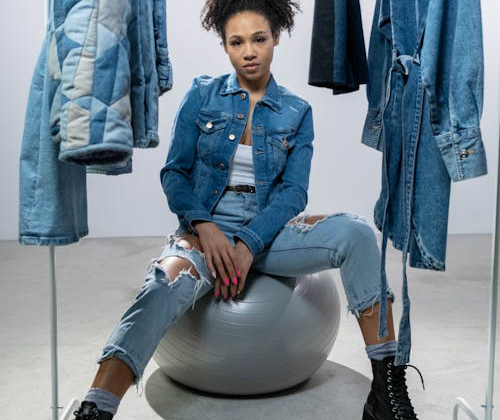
(272, 97)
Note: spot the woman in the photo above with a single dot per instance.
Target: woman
(236, 175)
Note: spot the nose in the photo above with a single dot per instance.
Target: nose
(249, 52)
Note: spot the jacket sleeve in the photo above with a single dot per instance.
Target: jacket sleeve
(90, 55)
(291, 198)
(176, 174)
(452, 73)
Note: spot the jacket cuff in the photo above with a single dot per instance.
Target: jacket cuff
(372, 129)
(463, 153)
(190, 216)
(251, 239)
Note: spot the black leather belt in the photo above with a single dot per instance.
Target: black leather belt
(241, 188)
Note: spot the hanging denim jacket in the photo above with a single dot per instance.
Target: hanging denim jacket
(93, 97)
(104, 54)
(425, 102)
(206, 131)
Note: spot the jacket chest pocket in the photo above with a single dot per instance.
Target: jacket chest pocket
(279, 144)
(211, 125)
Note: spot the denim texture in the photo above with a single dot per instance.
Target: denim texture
(425, 103)
(93, 97)
(206, 131)
(338, 53)
(339, 240)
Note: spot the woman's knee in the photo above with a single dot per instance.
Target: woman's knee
(173, 265)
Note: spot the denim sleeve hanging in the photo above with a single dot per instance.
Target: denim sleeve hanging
(93, 97)
(338, 53)
(424, 107)
(104, 54)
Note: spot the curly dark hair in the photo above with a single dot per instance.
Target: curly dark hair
(279, 13)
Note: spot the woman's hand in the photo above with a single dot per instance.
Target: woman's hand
(244, 259)
(220, 256)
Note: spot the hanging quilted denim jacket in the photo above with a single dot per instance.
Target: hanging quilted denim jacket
(93, 97)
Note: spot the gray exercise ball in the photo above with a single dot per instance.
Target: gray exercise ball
(277, 335)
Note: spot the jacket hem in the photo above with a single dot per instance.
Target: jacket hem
(51, 240)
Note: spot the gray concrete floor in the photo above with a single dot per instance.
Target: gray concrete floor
(98, 278)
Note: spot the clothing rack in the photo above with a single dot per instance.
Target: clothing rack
(459, 401)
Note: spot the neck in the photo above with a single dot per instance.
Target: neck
(255, 86)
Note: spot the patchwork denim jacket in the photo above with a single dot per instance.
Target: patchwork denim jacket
(206, 131)
(93, 96)
(111, 59)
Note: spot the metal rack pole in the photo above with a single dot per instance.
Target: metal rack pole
(53, 311)
(488, 405)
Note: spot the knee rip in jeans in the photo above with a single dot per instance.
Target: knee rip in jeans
(183, 251)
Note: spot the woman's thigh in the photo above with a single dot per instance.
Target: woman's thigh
(309, 244)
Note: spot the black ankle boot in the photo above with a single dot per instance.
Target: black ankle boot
(388, 398)
(88, 411)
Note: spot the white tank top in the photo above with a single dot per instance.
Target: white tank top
(241, 170)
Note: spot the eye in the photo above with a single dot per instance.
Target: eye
(234, 43)
(261, 39)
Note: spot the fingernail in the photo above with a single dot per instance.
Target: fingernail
(226, 281)
(235, 280)
(216, 293)
(238, 273)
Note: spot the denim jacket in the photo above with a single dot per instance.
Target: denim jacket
(111, 59)
(87, 108)
(206, 131)
(452, 67)
(425, 96)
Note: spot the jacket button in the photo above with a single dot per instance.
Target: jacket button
(285, 143)
(232, 137)
(221, 165)
(209, 125)
(243, 95)
(240, 116)
(214, 192)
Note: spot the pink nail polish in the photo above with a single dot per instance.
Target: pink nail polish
(239, 273)
(226, 281)
(216, 293)
(235, 280)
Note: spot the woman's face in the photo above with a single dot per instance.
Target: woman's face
(250, 45)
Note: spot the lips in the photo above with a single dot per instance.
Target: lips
(251, 66)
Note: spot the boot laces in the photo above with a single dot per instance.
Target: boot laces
(92, 415)
(398, 391)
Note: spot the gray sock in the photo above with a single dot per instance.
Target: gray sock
(105, 400)
(382, 350)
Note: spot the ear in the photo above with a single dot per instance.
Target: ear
(276, 38)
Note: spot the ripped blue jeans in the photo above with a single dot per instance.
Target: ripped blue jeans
(338, 240)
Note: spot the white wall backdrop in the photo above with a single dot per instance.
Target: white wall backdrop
(345, 174)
